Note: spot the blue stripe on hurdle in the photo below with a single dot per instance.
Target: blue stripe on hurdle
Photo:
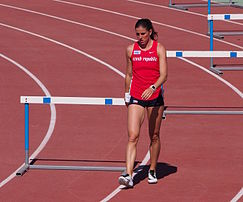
(233, 54)
(46, 100)
(178, 54)
(227, 17)
(108, 101)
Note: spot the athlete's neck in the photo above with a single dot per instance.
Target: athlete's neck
(147, 45)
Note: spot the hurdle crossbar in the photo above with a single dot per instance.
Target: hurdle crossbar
(206, 54)
(26, 100)
(225, 17)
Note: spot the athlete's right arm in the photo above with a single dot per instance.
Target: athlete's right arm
(128, 76)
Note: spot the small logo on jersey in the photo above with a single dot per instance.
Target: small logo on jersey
(151, 52)
(135, 101)
(137, 52)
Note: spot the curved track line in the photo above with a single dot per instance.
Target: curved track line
(145, 160)
(112, 33)
(52, 120)
(116, 191)
(147, 156)
(155, 22)
(53, 110)
(216, 76)
(66, 20)
(238, 196)
(66, 46)
(178, 10)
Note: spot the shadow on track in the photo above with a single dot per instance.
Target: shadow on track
(162, 170)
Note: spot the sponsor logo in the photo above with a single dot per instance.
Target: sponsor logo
(151, 52)
(137, 52)
(135, 101)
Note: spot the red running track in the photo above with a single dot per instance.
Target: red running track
(201, 158)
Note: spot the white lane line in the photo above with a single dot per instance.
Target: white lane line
(106, 31)
(66, 20)
(66, 46)
(238, 196)
(53, 110)
(145, 157)
(52, 119)
(112, 33)
(216, 76)
(118, 189)
(178, 10)
(145, 160)
(155, 22)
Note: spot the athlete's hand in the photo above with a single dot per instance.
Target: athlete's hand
(147, 93)
(127, 98)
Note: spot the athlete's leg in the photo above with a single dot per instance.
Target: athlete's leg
(154, 119)
(135, 120)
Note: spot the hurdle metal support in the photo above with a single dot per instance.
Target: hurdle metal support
(215, 70)
(26, 129)
(226, 68)
(84, 168)
(196, 5)
(201, 112)
(221, 35)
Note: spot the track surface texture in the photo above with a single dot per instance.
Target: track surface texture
(63, 45)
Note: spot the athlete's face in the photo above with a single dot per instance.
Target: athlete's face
(143, 35)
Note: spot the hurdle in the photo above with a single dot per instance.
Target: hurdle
(204, 54)
(218, 34)
(195, 5)
(27, 100)
(216, 68)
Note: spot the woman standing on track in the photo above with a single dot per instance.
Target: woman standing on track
(146, 71)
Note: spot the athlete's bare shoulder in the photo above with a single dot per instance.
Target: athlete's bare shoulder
(129, 50)
(161, 49)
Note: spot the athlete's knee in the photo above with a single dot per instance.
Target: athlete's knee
(133, 137)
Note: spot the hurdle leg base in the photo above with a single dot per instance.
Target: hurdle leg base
(217, 36)
(215, 70)
(84, 168)
(178, 7)
(228, 68)
(236, 6)
(22, 170)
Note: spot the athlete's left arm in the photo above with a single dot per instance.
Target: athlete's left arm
(163, 69)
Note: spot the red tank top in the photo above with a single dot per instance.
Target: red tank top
(145, 71)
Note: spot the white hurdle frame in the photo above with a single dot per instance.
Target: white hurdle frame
(26, 100)
(211, 17)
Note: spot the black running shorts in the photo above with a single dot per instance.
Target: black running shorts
(159, 101)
